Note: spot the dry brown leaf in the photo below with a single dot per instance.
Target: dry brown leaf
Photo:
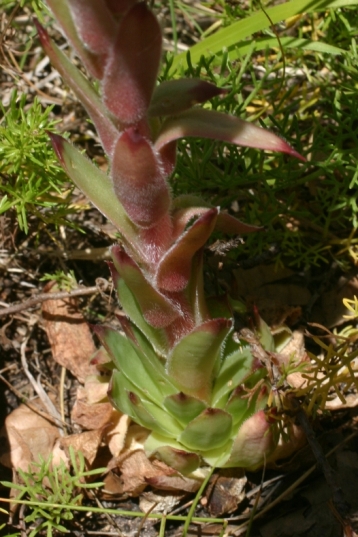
(69, 335)
(224, 494)
(91, 416)
(160, 501)
(87, 442)
(115, 434)
(96, 388)
(136, 472)
(174, 483)
(295, 352)
(27, 436)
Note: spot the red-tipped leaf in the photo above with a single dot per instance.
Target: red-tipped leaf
(192, 361)
(83, 90)
(138, 179)
(174, 269)
(217, 126)
(157, 310)
(132, 67)
(175, 96)
(62, 13)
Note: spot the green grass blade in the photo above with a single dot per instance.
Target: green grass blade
(257, 22)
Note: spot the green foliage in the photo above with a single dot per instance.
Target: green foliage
(308, 210)
(65, 282)
(54, 485)
(31, 180)
(36, 6)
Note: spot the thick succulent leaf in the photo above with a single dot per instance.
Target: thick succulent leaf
(157, 310)
(95, 25)
(215, 125)
(119, 7)
(148, 377)
(234, 369)
(231, 225)
(195, 290)
(254, 442)
(155, 241)
(175, 96)
(157, 337)
(183, 407)
(210, 430)
(243, 404)
(224, 223)
(119, 396)
(192, 360)
(62, 13)
(157, 443)
(174, 269)
(132, 67)
(138, 179)
(94, 184)
(83, 90)
(168, 156)
(153, 417)
(125, 398)
(184, 462)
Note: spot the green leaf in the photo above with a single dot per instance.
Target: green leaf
(156, 336)
(215, 125)
(157, 310)
(183, 461)
(126, 398)
(94, 184)
(210, 430)
(183, 407)
(228, 37)
(192, 361)
(244, 48)
(83, 90)
(233, 371)
(175, 96)
(148, 377)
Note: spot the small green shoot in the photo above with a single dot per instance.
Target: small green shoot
(54, 485)
(31, 180)
(65, 282)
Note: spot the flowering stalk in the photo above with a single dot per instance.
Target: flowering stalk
(177, 369)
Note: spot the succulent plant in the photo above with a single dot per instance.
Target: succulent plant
(179, 369)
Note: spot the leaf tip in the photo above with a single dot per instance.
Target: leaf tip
(58, 145)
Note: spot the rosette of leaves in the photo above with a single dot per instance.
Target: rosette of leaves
(178, 371)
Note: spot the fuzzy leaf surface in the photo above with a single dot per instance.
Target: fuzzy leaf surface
(138, 180)
(157, 337)
(133, 63)
(62, 13)
(192, 360)
(174, 269)
(94, 184)
(157, 310)
(83, 90)
(174, 96)
(218, 126)
(210, 430)
(95, 24)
